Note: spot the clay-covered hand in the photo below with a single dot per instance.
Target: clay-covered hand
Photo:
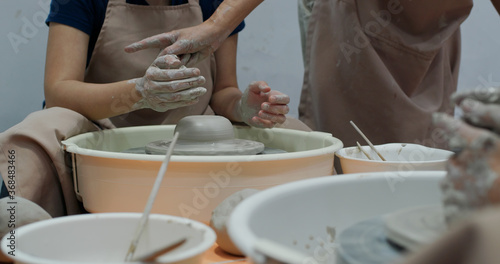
(192, 44)
(262, 107)
(489, 95)
(472, 178)
(168, 85)
(482, 112)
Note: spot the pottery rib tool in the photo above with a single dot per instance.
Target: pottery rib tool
(367, 141)
(149, 205)
(364, 152)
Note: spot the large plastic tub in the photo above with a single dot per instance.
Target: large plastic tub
(107, 180)
(306, 216)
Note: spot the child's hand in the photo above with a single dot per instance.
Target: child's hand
(262, 107)
(169, 85)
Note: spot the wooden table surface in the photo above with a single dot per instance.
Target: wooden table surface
(215, 255)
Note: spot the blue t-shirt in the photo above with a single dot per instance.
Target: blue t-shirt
(88, 15)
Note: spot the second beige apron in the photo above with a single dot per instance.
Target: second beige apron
(387, 65)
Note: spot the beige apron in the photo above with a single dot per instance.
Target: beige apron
(387, 65)
(42, 171)
(126, 23)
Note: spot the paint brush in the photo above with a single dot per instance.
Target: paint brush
(149, 205)
(367, 141)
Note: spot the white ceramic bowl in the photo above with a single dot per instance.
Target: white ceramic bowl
(108, 180)
(399, 157)
(305, 215)
(105, 238)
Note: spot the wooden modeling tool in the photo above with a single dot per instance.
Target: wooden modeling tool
(364, 152)
(149, 205)
(367, 141)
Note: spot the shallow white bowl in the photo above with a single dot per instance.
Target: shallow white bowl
(105, 238)
(301, 215)
(399, 157)
(108, 180)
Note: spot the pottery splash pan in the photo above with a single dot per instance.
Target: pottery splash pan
(109, 180)
(314, 213)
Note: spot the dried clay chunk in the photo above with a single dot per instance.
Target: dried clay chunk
(16, 213)
(220, 216)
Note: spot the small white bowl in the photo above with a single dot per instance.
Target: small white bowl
(399, 157)
(105, 238)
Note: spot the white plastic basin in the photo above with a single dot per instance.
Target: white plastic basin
(105, 238)
(110, 181)
(399, 157)
(304, 216)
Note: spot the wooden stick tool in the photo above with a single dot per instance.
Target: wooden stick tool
(364, 152)
(367, 141)
(149, 205)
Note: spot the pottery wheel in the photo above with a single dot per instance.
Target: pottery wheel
(365, 242)
(415, 226)
(203, 148)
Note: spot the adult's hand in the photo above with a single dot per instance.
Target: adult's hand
(197, 43)
(472, 180)
(192, 44)
(472, 173)
(481, 107)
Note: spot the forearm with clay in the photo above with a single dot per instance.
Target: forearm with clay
(196, 43)
(231, 13)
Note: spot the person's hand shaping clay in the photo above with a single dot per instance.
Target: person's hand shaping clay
(192, 44)
(480, 107)
(262, 107)
(472, 180)
(168, 85)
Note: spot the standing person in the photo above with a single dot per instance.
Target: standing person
(388, 71)
(387, 65)
(91, 84)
